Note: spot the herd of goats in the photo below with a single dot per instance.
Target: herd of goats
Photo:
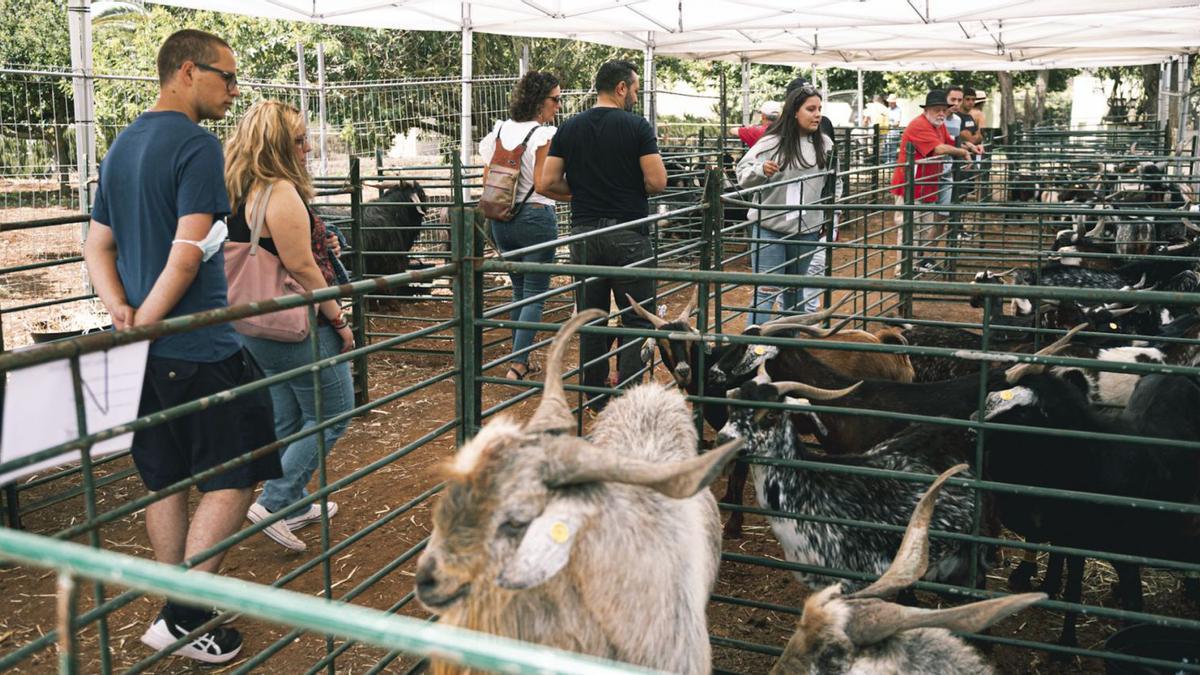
(610, 545)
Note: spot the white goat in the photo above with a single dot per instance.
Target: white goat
(863, 633)
(608, 547)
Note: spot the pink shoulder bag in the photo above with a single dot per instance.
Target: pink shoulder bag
(256, 274)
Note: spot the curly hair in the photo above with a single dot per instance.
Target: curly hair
(528, 94)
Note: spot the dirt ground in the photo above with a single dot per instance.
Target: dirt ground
(28, 601)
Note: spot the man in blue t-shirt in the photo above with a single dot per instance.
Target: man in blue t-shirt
(607, 159)
(152, 253)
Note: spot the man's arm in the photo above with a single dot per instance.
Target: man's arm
(183, 263)
(945, 149)
(654, 173)
(100, 255)
(553, 178)
(539, 165)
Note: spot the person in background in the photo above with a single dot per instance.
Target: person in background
(607, 159)
(930, 141)
(533, 104)
(792, 148)
(268, 148)
(894, 125)
(154, 251)
(768, 113)
(954, 97)
(830, 192)
(970, 132)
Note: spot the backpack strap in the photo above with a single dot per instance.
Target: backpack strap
(517, 208)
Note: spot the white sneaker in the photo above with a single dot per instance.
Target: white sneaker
(216, 646)
(278, 530)
(312, 515)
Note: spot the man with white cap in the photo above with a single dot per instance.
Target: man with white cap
(769, 112)
(894, 120)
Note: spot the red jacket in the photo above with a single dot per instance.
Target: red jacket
(924, 138)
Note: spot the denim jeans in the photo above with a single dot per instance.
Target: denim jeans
(792, 256)
(534, 224)
(295, 409)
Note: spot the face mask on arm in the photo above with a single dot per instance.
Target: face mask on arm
(210, 244)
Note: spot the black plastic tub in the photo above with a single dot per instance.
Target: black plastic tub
(1157, 642)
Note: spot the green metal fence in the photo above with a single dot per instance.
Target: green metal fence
(696, 250)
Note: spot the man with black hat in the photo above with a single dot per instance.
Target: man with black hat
(927, 136)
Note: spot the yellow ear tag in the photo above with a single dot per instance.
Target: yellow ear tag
(1007, 394)
(560, 533)
(1112, 326)
(760, 350)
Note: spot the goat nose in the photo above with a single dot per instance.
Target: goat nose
(426, 582)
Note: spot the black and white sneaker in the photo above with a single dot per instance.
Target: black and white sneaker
(218, 645)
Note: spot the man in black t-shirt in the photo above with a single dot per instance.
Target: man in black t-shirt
(607, 159)
(970, 130)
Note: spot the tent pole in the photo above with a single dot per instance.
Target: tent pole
(746, 113)
(859, 98)
(464, 132)
(1185, 78)
(524, 65)
(650, 83)
(323, 118)
(302, 80)
(80, 26)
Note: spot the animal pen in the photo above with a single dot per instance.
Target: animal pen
(435, 339)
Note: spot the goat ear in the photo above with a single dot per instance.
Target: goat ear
(546, 547)
(913, 556)
(874, 620)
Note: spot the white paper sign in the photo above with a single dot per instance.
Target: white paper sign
(39, 405)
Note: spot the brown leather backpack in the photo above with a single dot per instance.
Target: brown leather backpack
(499, 198)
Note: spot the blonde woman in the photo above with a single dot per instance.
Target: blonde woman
(268, 148)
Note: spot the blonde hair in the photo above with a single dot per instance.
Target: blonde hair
(262, 151)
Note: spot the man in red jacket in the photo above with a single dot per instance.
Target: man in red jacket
(930, 142)
(769, 111)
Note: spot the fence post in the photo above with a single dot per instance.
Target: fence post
(468, 305)
(906, 231)
(302, 80)
(875, 154)
(713, 217)
(358, 302)
(67, 609)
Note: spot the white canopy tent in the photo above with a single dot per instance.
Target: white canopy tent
(855, 34)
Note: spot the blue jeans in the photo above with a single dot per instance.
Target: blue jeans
(295, 409)
(534, 224)
(792, 257)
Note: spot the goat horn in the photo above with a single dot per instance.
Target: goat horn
(1122, 311)
(686, 315)
(656, 321)
(814, 393)
(1014, 374)
(1141, 282)
(912, 558)
(885, 619)
(804, 319)
(1097, 230)
(1173, 248)
(553, 413)
(584, 462)
(1007, 273)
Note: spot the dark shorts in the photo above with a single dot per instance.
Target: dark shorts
(169, 452)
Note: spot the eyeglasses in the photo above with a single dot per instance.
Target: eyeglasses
(556, 99)
(231, 81)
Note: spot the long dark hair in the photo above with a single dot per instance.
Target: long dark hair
(790, 136)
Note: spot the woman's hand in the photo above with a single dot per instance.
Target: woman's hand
(334, 244)
(347, 336)
(770, 168)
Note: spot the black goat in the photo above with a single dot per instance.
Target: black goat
(1165, 407)
(791, 489)
(391, 225)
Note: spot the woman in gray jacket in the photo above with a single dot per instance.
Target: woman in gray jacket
(791, 158)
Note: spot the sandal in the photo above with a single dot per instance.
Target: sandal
(517, 374)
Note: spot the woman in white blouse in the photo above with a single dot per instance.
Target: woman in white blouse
(532, 106)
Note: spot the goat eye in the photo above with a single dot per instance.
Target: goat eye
(513, 528)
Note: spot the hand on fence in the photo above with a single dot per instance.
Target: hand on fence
(334, 244)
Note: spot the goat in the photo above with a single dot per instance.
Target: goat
(391, 225)
(769, 432)
(863, 632)
(1120, 468)
(608, 547)
(842, 434)
(739, 362)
